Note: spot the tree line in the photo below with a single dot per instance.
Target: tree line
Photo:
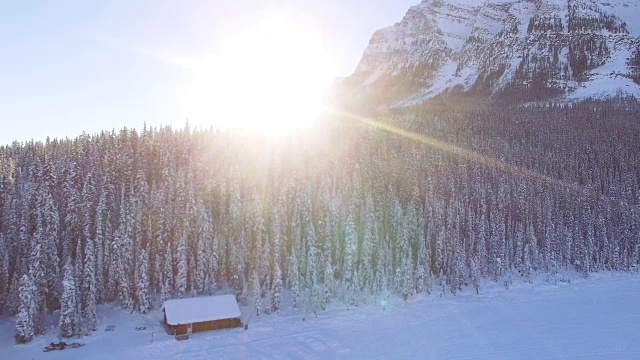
(344, 212)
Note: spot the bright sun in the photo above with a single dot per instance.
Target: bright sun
(271, 78)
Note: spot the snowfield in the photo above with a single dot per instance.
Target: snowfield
(597, 318)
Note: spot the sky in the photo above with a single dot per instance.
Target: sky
(73, 66)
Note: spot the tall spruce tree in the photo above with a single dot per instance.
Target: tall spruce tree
(89, 290)
(69, 318)
(143, 294)
(25, 327)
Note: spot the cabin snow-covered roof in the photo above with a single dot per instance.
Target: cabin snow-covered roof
(200, 309)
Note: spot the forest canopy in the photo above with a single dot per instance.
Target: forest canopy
(341, 212)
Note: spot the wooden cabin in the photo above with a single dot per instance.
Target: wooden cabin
(186, 316)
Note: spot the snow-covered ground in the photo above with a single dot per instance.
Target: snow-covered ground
(597, 318)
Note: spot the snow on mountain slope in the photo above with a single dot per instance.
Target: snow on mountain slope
(519, 50)
(585, 319)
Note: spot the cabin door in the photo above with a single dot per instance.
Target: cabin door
(189, 329)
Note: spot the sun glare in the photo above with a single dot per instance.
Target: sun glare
(270, 78)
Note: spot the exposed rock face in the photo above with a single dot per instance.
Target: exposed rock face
(508, 50)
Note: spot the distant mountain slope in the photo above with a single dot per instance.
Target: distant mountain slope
(509, 50)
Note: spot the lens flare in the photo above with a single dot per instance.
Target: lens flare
(271, 78)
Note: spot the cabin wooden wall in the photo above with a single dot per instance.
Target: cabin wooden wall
(179, 329)
(215, 325)
(205, 326)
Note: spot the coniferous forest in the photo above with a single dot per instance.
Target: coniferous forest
(344, 212)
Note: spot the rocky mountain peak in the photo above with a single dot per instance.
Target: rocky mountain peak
(507, 50)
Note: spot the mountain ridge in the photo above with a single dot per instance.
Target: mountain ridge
(510, 50)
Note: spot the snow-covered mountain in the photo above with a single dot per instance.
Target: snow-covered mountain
(512, 50)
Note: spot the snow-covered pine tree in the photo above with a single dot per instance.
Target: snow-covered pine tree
(415, 239)
(13, 297)
(38, 273)
(329, 285)
(143, 295)
(265, 257)
(153, 243)
(72, 221)
(423, 270)
(25, 331)
(383, 273)
(351, 248)
(259, 239)
(587, 247)
(380, 269)
(49, 222)
(200, 273)
(10, 222)
(369, 242)
(314, 298)
(530, 255)
(69, 319)
(235, 238)
(244, 293)
(439, 261)
(4, 273)
(294, 279)
(181, 253)
(78, 274)
(405, 257)
(458, 269)
(405, 277)
(276, 289)
(88, 208)
(481, 242)
(526, 263)
(99, 255)
(256, 293)
(275, 292)
(213, 261)
(355, 292)
(193, 234)
(549, 248)
(203, 253)
(167, 276)
(122, 253)
(475, 274)
(88, 308)
(519, 243)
